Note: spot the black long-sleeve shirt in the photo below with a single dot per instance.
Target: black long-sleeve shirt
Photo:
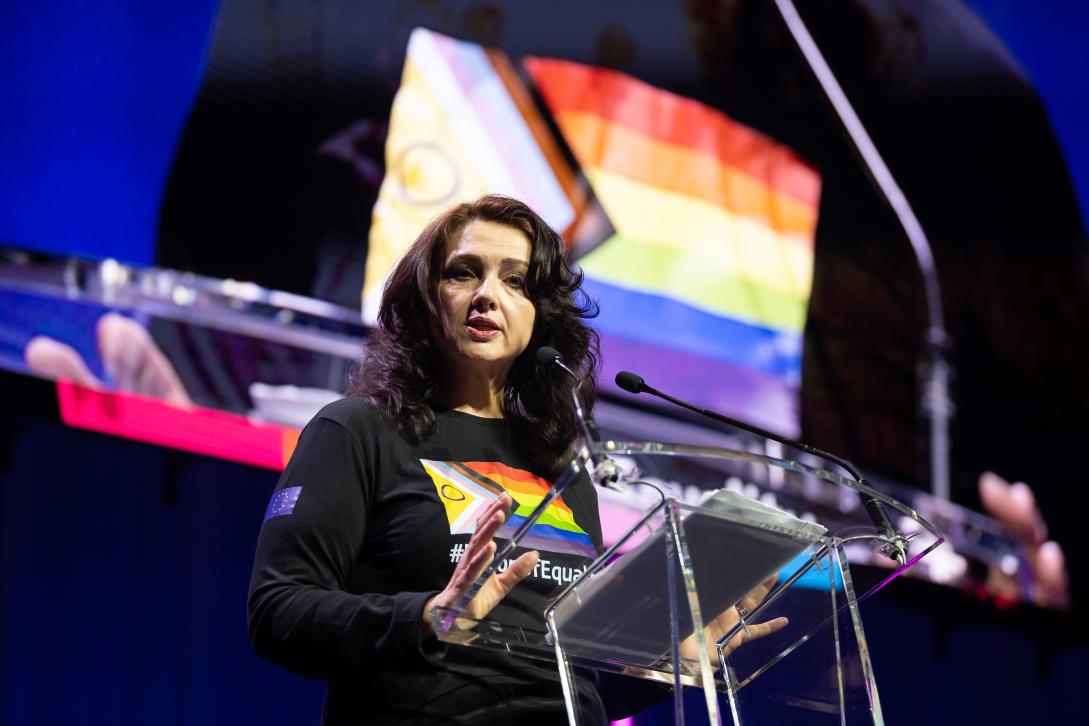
(364, 528)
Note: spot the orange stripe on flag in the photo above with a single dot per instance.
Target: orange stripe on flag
(515, 480)
(494, 467)
(599, 142)
(568, 86)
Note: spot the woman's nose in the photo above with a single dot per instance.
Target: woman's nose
(484, 296)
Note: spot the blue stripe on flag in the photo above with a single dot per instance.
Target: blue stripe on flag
(671, 324)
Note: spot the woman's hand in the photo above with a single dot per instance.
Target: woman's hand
(477, 556)
(727, 620)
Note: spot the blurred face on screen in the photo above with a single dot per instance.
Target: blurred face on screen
(485, 316)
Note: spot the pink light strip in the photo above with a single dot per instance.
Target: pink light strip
(193, 428)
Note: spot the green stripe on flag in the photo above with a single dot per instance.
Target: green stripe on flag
(686, 277)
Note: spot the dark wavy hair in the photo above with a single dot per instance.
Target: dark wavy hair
(397, 370)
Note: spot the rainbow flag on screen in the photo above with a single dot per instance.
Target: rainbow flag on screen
(466, 487)
(706, 281)
(462, 125)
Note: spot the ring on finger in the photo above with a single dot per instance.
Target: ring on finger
(742, 616)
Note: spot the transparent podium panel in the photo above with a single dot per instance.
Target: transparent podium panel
(753, 606)
(610, 614)
(817, 668)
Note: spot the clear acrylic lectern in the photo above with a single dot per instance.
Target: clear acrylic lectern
(686, 596)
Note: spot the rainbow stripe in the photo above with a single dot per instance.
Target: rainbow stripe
(465, 488)
(712, 256)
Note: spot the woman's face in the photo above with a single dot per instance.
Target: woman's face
(485, 318)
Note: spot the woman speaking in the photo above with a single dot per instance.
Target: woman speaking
(389, 505)
(367, 530)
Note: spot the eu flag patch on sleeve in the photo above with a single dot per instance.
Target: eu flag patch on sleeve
(282, 502)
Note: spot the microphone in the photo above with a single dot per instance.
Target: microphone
(603, 470)
(896, 547)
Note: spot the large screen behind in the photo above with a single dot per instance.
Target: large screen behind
(700, 249)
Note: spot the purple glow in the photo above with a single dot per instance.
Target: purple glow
(762, 399)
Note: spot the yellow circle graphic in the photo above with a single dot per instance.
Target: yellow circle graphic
(452, 493)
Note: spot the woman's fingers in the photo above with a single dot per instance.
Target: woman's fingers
(480, 549)
(479, 553)
(725, 622)
(752, 600)
(758, 593)
(481, 563)
(472, 563)
(759, 630)
(755, 631)
(487, 524)
(491, 518)
(485, 530)
(518, 570)
(468, 570)
(501, 583)
(479, 560)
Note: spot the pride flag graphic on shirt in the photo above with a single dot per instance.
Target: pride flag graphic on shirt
(466, 487)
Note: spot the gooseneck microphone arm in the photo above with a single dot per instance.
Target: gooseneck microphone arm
(633, 383)
(603, 469)
(550, 356)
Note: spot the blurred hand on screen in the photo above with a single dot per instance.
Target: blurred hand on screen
(1014, 506)
(135, 362)
(128, 354)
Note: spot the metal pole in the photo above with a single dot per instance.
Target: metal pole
(936, 404)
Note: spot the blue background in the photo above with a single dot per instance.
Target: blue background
(95, 95)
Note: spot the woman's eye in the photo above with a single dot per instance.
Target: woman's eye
(459, 273)
(516, 281)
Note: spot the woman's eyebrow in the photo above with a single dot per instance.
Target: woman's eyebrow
(465, 258)
(473, 259)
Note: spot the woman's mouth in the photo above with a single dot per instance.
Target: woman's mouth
(481, 329)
